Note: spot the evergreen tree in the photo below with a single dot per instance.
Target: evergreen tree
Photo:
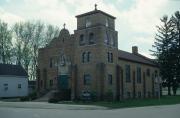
(163, 51)
(176, 49)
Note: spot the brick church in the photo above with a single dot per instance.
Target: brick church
(89, 61)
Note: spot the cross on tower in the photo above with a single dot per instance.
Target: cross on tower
(95, 6)
(64, 25)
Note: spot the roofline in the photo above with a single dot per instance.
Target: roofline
(13, 76)
(149, 59)
(94, 12)
(120, 58)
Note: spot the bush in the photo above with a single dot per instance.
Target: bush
(53, 100)
(94, 96)
(33, 96)
(86, 96)
(26, 98)
(109, 96)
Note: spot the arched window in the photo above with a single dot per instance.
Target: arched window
(88, 56)
(51, 63)
(91, 38)
(88, 22)
(45, 77)
(107, 22)
(84, 57)
(87, 79)
(112, 39)
(81, 40)
(110, 57)
(107, 38)
(114, 42)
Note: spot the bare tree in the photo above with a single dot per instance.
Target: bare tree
(50, 33)
(5, 43)
(23, 33)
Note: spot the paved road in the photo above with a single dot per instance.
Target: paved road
(169, 111)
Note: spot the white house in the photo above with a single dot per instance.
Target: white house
(13, 81)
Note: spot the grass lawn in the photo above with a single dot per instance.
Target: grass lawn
(165, 100)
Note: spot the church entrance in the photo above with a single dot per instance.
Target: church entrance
(64, 87)
(63, 79)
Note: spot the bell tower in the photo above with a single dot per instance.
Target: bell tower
(96, 53)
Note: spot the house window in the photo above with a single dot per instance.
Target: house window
(110, 57)
(19, 86)
(86, 56)
(5, 87)
(128, 73)
(138, 75)
(87, 79)
(109, 79)
(91, 38)
(88, 22)
(51, 82)
(148, 72)
(81, 40)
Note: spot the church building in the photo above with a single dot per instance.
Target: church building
(89, 61)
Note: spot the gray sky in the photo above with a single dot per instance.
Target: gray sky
(135, 23)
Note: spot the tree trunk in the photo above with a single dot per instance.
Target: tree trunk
(169, 90)
(169, 87)
(3, 57)
(174, 91)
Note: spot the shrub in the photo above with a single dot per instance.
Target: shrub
(33, 96)
(26, 98)
(94, 96)
(109, 96)
(53, 100)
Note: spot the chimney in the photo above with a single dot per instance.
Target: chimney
(134, 49)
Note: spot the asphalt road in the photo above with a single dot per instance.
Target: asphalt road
(71, 111)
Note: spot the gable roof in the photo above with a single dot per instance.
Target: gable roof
(137, 58)
(94, 12)
(9, 69)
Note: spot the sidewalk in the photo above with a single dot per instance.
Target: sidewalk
(43, 105)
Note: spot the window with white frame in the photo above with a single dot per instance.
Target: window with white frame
(5, 87)
(19, 86)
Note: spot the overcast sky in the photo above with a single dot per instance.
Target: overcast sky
(135, 19)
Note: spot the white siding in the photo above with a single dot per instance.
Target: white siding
(13, 90)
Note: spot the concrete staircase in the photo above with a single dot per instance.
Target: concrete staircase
(45, 97)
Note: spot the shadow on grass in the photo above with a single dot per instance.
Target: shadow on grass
(165, 100)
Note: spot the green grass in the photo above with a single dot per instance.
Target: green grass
(165, 100)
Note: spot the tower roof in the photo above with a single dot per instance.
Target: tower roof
(64, 33)
(95, 12)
